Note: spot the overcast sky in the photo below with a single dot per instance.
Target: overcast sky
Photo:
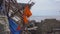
(44, 7)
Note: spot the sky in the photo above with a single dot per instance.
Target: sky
(44, 7)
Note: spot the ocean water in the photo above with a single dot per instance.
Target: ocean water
(39, 18)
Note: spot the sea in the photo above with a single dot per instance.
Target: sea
(39, 18)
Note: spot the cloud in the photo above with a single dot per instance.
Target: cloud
(46, 7)
(57, 0)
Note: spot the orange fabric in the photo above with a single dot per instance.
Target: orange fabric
(27, 11)
(25, 19)
(18, 28)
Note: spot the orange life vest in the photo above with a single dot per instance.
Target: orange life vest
(27, 11)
